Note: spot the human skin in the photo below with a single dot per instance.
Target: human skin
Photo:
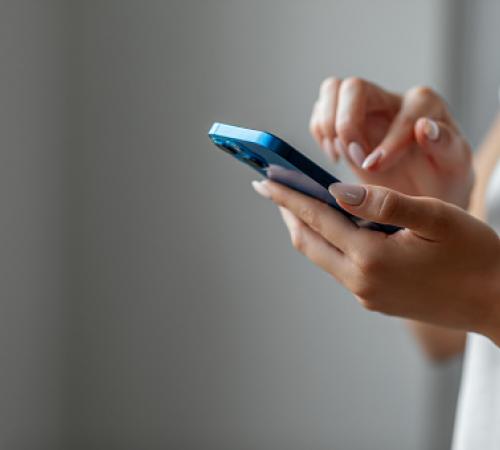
(421, 152)
(410, 143)
(442, 268)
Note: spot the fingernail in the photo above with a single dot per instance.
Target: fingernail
(352, 194)
(329, 148)
(431, 130)
(339, 145)
(372, 158)
(356, 153)
(261, 189)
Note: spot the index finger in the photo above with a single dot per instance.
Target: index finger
(332, 225)
(356, 99)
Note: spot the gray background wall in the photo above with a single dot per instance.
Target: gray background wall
(33, 114)
(478, 71)
(150, 299)
(199, 326)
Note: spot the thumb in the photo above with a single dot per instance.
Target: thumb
(427, 217)
(442, 143)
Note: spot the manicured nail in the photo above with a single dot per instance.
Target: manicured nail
(356, 153)
(339, 146)
(372, 158)
(329, 149)
(352, 194)
(261, 188)
(431, 130)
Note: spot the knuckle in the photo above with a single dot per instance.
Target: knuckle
(313, 126)
(353, 83)
(427, 101)
(309, 215)
(370, 263)
(421, 92)
(327, 127)
(365, 291)
(363, 287)
(388, 206)
(298, 239)
(278, 196)
(370, 305)
(330, 84)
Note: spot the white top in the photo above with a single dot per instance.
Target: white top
(477, 424)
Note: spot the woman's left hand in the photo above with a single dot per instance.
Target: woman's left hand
(443, 267)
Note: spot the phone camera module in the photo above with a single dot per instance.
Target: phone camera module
(227, 146)
(255, 162)
(230, 147)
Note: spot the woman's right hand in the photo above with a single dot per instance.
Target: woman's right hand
(442, 267)
(408, 142)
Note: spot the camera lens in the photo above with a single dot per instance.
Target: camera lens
(229, 148)
(255, 162)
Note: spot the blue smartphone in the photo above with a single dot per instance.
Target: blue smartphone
(278, 161)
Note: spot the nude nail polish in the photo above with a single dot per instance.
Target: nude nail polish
(352, 194)
(356, 153)
(261, 189)
(431, 130)
(372, 158)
